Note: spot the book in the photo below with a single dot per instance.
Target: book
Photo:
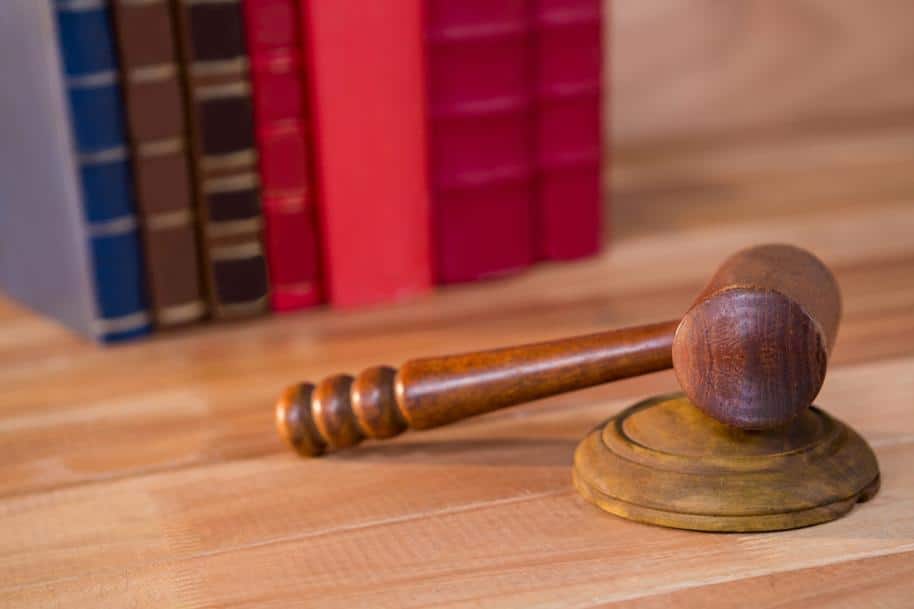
(68, 240)
(568, 77)
(156, 126)
(482, 158)
(224, 156)
(366, 92)
(283, 141)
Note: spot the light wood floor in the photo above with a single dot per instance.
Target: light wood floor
(150, 476)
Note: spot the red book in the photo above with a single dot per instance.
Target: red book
(479, 55)
(366, 89)
(282, 134)
(568, 127)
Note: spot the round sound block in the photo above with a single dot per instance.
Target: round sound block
(664, 462)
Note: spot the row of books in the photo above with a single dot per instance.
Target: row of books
(165, 161)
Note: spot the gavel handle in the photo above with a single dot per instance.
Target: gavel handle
(381, 402)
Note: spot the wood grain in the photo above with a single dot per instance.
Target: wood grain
(752, 351)
(263, 508)
(852, 584)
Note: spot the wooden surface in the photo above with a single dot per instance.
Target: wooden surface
(151, 475)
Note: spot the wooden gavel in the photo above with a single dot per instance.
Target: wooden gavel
(751, 351)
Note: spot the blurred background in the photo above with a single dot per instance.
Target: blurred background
(169, 164)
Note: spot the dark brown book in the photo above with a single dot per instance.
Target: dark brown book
(223, 153)
(156, 127)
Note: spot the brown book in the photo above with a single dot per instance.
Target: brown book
(156, 125)
(224, 157)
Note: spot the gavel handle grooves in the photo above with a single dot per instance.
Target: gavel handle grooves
(381, 402)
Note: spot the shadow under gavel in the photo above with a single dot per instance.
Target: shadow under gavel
(751, 352)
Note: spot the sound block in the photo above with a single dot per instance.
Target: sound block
(664, 462)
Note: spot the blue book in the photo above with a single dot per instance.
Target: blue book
(70, 244)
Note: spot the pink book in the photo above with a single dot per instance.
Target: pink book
(366, 86)
(482, 164)
(568, 127)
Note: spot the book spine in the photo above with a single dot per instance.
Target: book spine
(365, 77)
(156, 124)
(283, 142)
(568, 127)
(97, 120)
(224, 157)
(479, 57)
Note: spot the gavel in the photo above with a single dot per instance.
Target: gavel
(751, 351)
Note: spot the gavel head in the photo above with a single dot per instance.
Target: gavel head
(753, 348)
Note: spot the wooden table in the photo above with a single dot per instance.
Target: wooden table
(149, 475)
